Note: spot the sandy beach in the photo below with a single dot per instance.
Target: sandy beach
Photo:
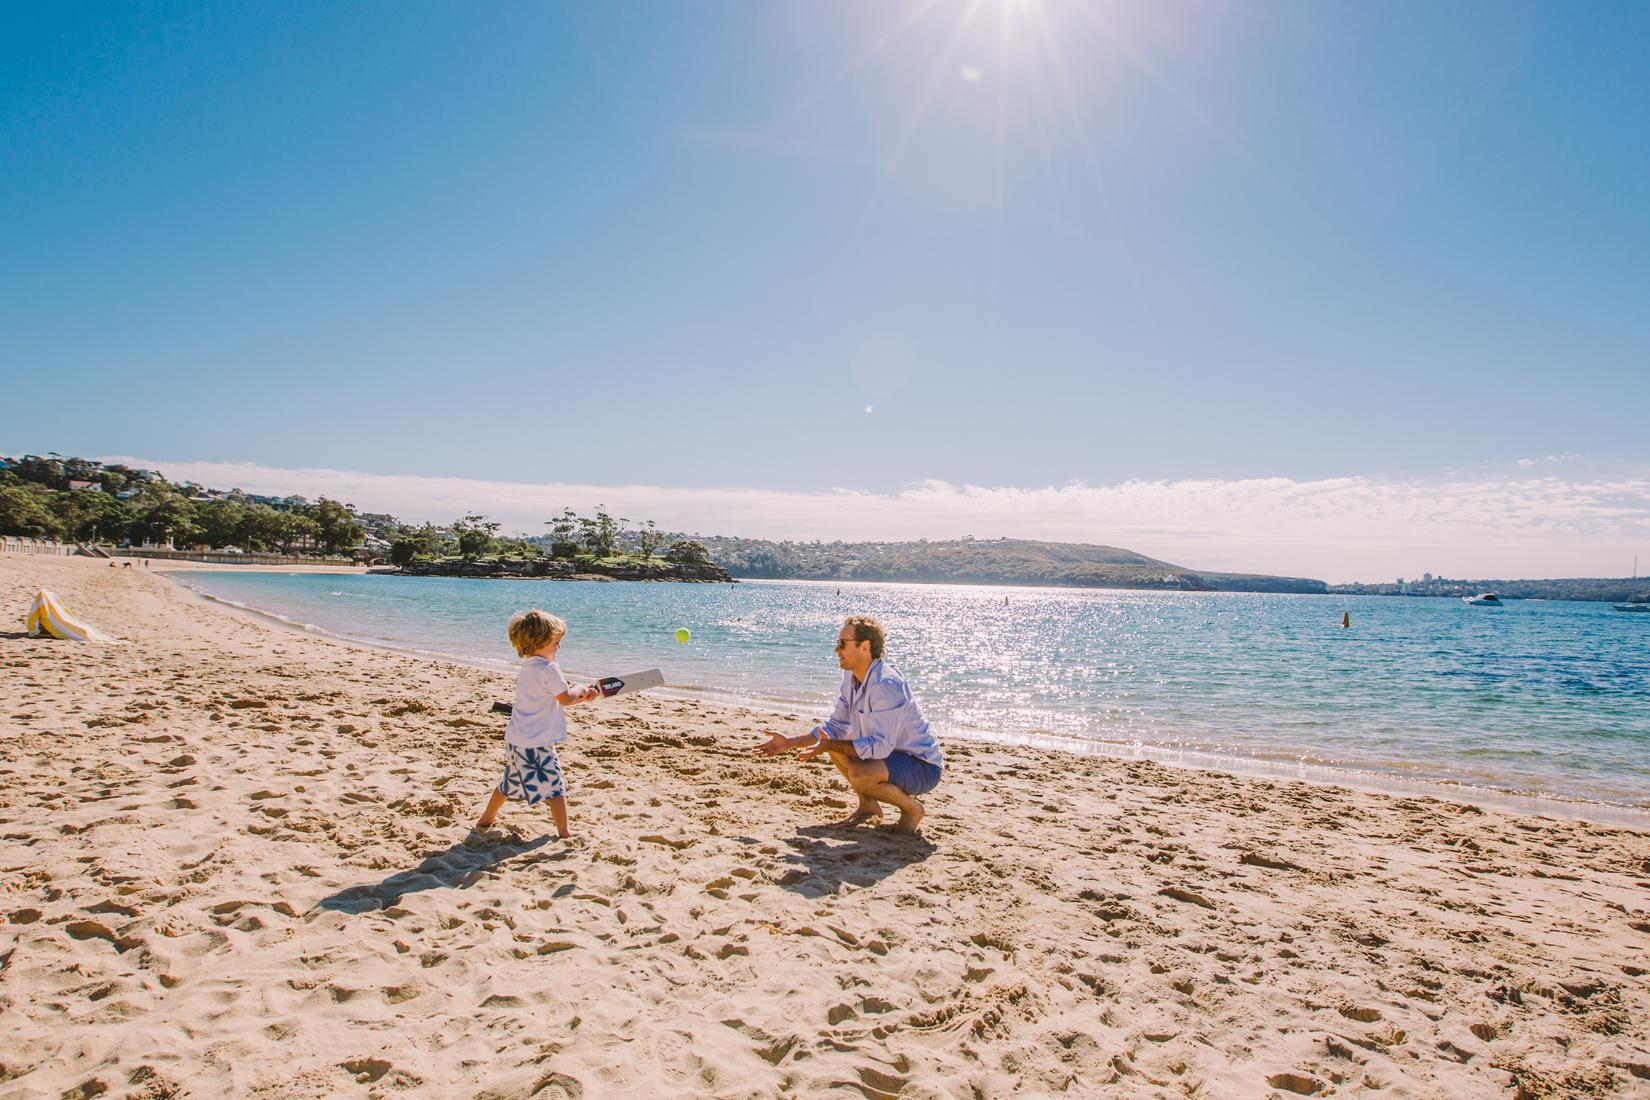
(235, 863)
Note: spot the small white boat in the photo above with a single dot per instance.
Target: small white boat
(1631, 606)
(1484, 599)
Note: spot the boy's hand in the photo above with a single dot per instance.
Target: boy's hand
(592, 691)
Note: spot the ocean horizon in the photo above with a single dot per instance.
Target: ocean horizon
(1537, 706)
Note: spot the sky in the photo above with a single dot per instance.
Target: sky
(1350, 291)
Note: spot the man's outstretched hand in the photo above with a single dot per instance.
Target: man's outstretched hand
(774, 745)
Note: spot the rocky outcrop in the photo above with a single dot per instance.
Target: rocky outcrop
(561, 569)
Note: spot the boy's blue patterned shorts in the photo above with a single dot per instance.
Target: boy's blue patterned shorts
(532, 774)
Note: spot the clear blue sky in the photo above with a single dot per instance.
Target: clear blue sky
(687, 245)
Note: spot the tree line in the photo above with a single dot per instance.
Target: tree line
(598, 537)
(124, 505)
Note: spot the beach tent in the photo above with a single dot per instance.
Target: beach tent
(47, 616)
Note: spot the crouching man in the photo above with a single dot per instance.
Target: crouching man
(876, 735)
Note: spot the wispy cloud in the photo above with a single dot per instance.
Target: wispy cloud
(1523, 522)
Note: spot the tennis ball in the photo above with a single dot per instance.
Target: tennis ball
(683, 635)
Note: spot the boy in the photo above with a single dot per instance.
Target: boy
(532, 771)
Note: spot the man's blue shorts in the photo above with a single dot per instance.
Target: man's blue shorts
(911, 775)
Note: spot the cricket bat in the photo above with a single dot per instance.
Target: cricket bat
(613, 685)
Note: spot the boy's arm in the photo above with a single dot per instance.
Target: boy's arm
(582, 695)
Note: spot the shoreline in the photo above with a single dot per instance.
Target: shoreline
(238, 863)
(1257, 767)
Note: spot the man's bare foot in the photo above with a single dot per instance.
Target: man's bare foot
(910, 819)
(860, 817)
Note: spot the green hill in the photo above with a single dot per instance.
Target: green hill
(979, 561)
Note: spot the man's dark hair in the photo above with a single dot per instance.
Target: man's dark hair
(867, 629)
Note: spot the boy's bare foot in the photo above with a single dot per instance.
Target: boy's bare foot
(910, 819)
(860, 817)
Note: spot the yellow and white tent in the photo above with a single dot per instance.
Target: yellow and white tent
(47, 616)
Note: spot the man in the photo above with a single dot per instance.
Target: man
(876, 735)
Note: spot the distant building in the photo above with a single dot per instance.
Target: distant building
(1426, 576)
(95, 485)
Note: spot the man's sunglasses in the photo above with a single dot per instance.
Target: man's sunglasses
(840, 642)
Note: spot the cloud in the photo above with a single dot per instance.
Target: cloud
(1525, 522)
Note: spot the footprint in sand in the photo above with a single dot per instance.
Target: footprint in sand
(878, 1082)
(672, 1052)
(366, 1070)
(1298, 1083)
(558, 1086)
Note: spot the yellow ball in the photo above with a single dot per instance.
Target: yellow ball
(683, 635)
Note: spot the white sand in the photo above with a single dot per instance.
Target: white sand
(233, 863)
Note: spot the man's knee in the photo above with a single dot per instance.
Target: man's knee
(865, 774)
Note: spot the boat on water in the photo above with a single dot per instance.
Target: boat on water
(1641, 602)
(1484, 599)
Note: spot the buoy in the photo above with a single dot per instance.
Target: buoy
(1346, 619)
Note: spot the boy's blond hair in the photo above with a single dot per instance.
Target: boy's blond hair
(531, 631)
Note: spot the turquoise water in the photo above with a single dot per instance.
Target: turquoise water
(1548, 699)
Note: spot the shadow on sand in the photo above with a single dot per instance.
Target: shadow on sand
(831, 855)
(458, 867)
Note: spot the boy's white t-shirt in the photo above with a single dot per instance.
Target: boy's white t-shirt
(537, 719)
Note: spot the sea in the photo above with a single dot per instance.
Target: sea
(1537, 706)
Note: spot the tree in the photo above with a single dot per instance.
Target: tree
(221, 522)
(515, 548)
(169, 517)
(688, 552)
(97, 516)
(403, 551)
(475, 535)
(23, 513)
(430, 540)
(649, 538)
(606, 541)
(262, 528)
(296, 527)
(42, 471)
(339, 531)
(562, 534)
